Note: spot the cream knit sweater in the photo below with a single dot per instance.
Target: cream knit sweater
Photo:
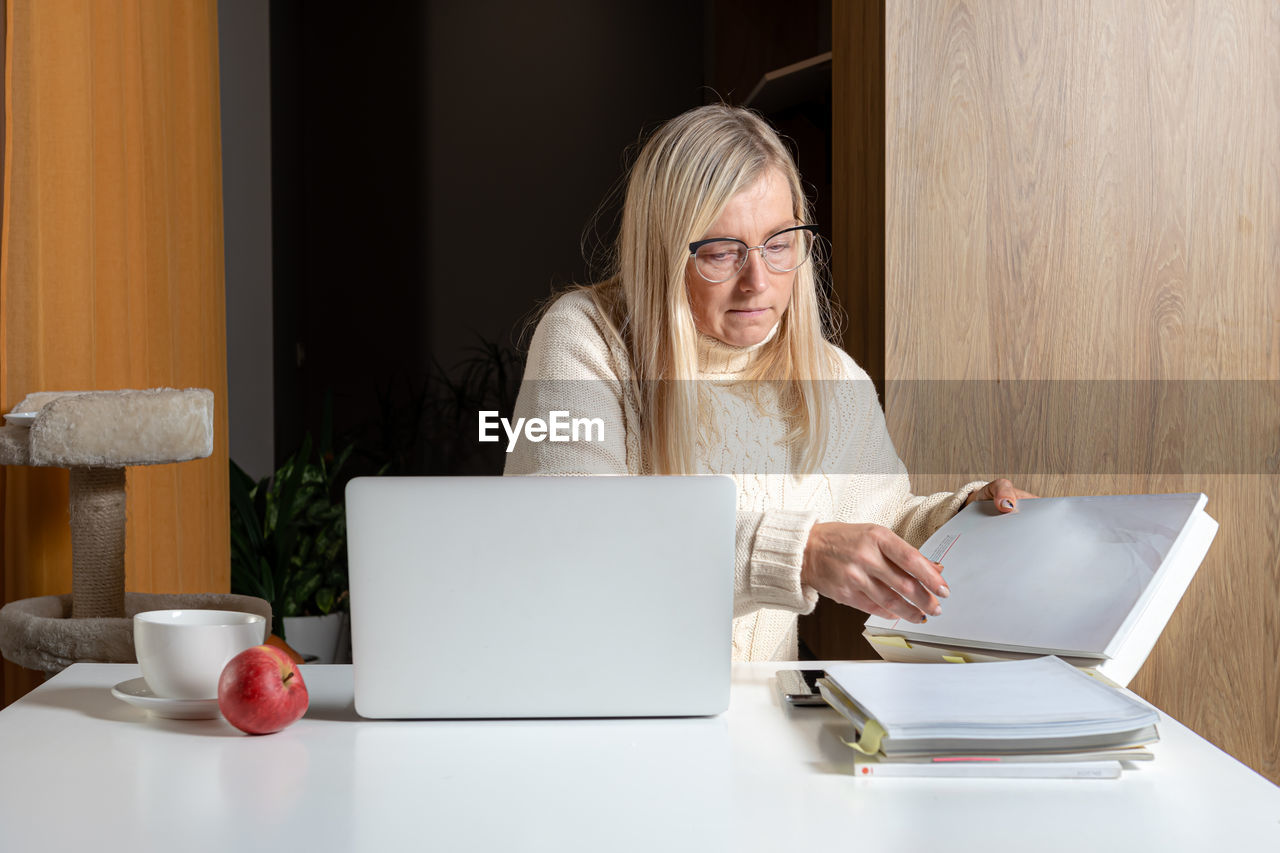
(574, 366)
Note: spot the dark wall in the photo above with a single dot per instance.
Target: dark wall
(244, 66)
(435, 165)
(530, 108)
(349, 165)
(746, 38)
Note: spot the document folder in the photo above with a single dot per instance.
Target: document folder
(1091, 579)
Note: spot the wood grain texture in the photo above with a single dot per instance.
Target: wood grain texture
(111, 271)
(1079, 193)
(857, 251)
(857, 162)
(4, 123)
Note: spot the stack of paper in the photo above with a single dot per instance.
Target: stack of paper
(1034, 717)
(1091, 579)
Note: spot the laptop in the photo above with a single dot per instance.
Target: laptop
(523, 597)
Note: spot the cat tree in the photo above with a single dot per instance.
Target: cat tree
(98, 435)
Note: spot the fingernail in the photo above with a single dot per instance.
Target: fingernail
(1006, 503)
(944, 591)
(937, 610)
(923, 619)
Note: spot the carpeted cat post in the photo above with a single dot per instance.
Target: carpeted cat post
(97, 435)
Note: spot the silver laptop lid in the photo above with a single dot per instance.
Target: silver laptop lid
(541, 596)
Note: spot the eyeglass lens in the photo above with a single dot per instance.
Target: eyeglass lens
(720, 260)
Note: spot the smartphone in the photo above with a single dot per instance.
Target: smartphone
(799, 687)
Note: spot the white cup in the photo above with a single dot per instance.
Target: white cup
(182, 652)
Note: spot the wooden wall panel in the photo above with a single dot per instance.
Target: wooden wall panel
(4, 46)
(1082, 203)
(111, 267)
(857, 250)
(857, 162)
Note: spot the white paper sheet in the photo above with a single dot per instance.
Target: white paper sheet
(1058, 576)
(1036, 698)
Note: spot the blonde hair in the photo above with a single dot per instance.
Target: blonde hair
(685, 174)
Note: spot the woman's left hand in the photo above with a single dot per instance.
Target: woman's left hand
(1004, 493)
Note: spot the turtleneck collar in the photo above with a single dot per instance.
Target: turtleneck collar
(716, 358)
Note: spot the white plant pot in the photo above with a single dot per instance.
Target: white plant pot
(319, 639)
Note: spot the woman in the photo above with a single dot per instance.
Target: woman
(705, 353)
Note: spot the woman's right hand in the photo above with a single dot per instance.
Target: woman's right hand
(870, 567)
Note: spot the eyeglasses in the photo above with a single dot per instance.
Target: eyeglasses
(720, 258)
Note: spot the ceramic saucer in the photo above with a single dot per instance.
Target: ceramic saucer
(20, 418)
(136, 692)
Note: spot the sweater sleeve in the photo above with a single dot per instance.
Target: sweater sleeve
(768, 555)
(572, 368)
(918, 516)
(879, 489)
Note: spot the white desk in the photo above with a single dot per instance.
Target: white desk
(81, 770)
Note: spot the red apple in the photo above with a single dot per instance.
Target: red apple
(261, 691)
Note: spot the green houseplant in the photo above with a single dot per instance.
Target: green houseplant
(289, 536)
(288, 530)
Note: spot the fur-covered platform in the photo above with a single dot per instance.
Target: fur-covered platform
(97, 435)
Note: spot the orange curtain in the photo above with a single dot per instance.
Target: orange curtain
(111, 268)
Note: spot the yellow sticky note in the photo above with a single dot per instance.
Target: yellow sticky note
(1093, 673)
(886, 640)
(955, 658)
(869, 743)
